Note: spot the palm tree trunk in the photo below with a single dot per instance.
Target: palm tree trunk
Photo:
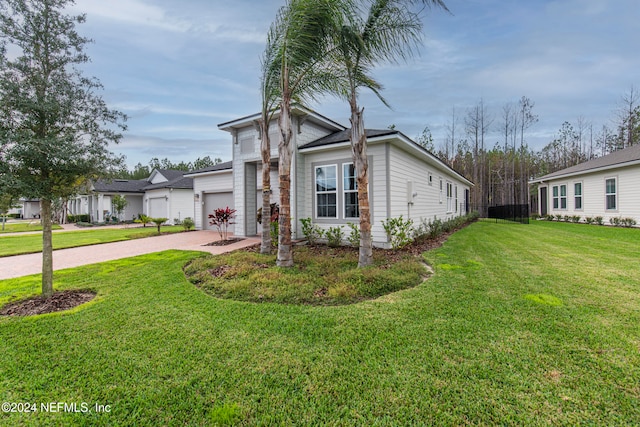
(265, 148)
(359, 151)
(285, 254)
(47, 249)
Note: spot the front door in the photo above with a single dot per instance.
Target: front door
(543, 201)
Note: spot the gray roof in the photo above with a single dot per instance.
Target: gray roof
(214, 168)
(344, 136)
(176, 179)
(120, 185)
(616, 159)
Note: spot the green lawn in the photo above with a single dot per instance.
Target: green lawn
(521, 325)
(30, 243)
(21, 227)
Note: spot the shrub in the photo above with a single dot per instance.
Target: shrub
(566, 218)
(588, 220)
(176, 221)
(548, 217)
(399, 231)
(599, 220)
(143, 219)
(188, 224)
(311, 231)
(334, 236)
(535, 216)
(222, 218)
(354, 235)
(614, 221)
(275, 231)
(576, 218)
(158, 222)
(628, 222)
(558, 217)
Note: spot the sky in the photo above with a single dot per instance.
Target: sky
(180, 68)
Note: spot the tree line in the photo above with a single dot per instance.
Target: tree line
(140, 171)
(490, 147)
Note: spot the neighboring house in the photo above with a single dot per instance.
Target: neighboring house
(212, 189)
(404, 178)
(607, 186)
(165, 194)
(26, 208)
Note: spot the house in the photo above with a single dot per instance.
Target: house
(212, 189)
(404, 178)
(607, 186)
(26, 208)
(164, 194)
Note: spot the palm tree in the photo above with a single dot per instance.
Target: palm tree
(389, 32)
(269, 88)
(301, 34)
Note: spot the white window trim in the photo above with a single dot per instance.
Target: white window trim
(450, 208)
(440, 190)
(559, 197)
(581, 208)
(615, 194)
(316, 192)
(344, 192)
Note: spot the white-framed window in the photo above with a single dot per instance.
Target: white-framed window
(449, 197)
(577, 196)
(560, 196)
(611, 194)
(350, 191)
(456, 194)
(440, 190)
(326, 191)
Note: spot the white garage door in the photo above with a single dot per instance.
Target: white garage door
(214, 201)
(158, 207)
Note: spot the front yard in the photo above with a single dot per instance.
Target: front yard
(520, 324)
(31, 243)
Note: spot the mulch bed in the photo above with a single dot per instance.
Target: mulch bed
(59, 301)
(225, 242)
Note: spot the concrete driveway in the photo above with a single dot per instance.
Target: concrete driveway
(23, 265)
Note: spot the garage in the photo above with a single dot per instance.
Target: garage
(158, 207)
(213, 201)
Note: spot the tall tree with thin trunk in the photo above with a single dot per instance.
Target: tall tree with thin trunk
(387, 31)
(269, 89)
(56, 129)
(302, 31)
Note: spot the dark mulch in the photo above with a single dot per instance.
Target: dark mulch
(224, 242)
(59, 301)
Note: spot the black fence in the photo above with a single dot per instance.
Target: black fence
(512, 213)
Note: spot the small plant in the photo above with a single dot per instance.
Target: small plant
(222, 218)
(559, 217)
(275, 231)
(158, 222)
(589, 220)
(354, 235)
(177, 221)
(566, 218)
(119, 203)
(143, 219)
(334, 236)
(188, 224)
(399, 231)
(548, 217)
(599, 220)
(628, 222)
(614, 221)
(312, 232)
(576, 218)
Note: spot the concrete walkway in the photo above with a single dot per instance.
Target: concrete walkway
(22, 265)
(73, 227)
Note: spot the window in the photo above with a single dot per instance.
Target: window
(577, 195)
(449, 197)
(350, 191)
(611, 194)
(430, 179)
(456, 198)
(560, 196)
(440, 190)
(326, 191)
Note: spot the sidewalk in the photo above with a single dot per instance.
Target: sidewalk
(22, 265)
(73, 227)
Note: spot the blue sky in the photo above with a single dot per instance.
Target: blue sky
(179, 68)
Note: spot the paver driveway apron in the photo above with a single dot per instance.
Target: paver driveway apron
(22, 265)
